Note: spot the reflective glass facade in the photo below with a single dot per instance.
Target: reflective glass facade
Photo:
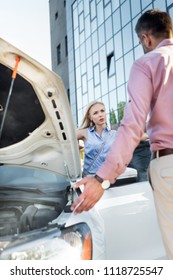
(102, 46)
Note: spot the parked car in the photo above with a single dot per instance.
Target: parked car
(40, 161)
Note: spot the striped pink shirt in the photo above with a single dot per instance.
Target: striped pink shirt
(150, 90)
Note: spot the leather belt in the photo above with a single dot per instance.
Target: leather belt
(162, 153)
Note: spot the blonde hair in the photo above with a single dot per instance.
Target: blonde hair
(86, 122)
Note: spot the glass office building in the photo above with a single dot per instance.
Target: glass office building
(102, 46)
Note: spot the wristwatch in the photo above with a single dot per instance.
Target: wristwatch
(104, 183)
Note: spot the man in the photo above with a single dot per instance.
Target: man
(150, 90)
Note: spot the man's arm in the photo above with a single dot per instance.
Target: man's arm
(127, 138)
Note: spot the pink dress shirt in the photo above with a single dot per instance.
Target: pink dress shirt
(150, 90)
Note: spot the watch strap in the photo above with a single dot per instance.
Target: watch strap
(99, 179)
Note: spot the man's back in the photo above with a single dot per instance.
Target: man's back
(157, 68)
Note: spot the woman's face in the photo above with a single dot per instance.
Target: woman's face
(97, 114)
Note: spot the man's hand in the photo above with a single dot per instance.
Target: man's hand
(91, 194)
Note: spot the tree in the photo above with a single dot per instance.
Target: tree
(120, 110)
(113, 119)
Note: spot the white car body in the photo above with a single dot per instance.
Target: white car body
(123, 223)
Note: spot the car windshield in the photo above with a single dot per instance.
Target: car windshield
(31, 178)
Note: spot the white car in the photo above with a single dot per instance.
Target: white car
(39, 162)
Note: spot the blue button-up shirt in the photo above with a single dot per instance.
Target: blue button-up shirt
(96, 148)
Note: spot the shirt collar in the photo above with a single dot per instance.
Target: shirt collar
(93, 128)
(165, 42)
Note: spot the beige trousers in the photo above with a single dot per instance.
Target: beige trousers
(161, 176)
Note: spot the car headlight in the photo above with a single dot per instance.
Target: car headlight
(73, 242)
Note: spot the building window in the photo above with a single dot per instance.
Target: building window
(96, 75)
(127, 38)
(92, 10)
(56, 15)
(68, 94)
(108, 28)
(170, 10)
(81, 22)
(59, 54)
(106, 2)
(125, 13)
(84, 84)
(66, 46)
(110, 64)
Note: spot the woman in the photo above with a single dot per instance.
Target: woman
(96, 136)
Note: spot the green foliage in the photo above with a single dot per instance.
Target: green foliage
(113, 119)
(120, 110)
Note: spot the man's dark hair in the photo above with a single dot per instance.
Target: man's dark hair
(155, 22)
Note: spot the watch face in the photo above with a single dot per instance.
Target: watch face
(105, 184)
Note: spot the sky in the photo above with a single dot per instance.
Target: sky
(25, 24)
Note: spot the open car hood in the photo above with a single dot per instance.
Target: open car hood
(38, 128)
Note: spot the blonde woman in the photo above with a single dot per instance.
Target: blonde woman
(97, 137)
